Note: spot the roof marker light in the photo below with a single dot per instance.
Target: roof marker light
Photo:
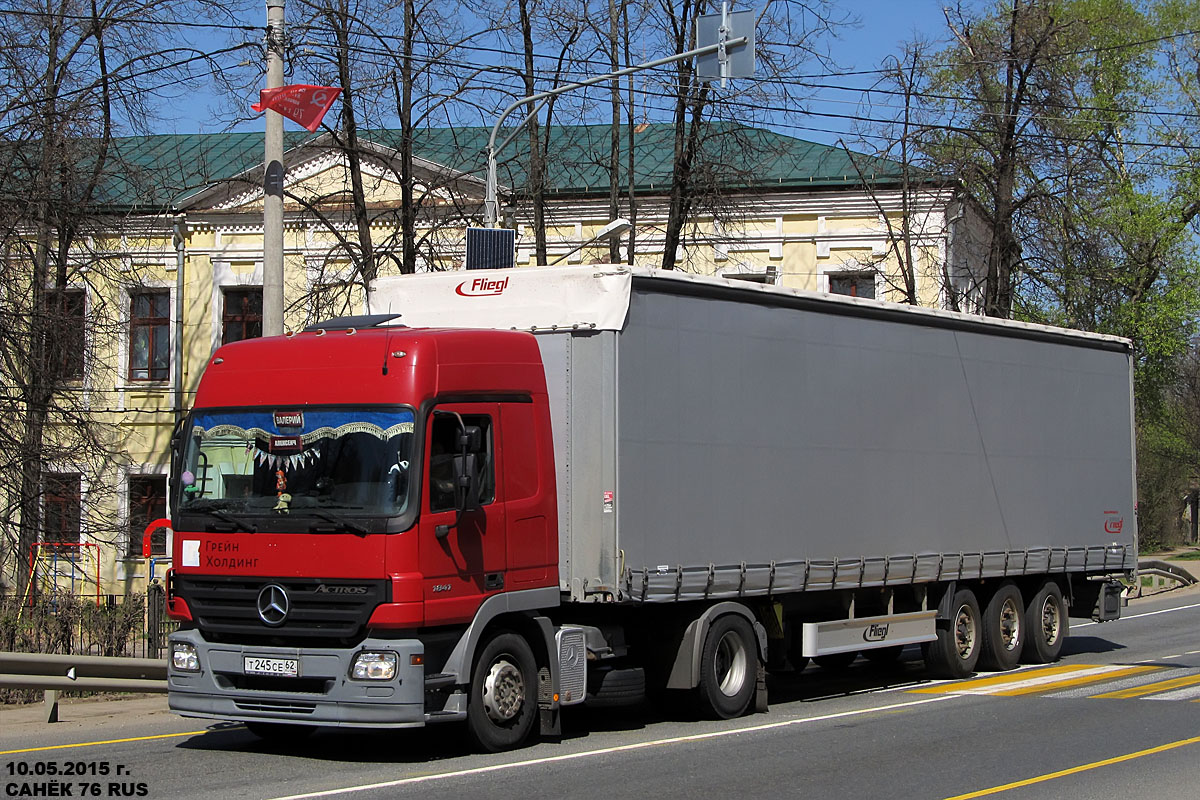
(351, 331)
(398, 354)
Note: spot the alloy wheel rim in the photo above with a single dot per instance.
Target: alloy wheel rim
(1010, 624)
(1050, 621)
(503, 691)
(731, 664)
(964, 632)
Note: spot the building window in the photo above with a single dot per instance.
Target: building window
(242, 315)
(147, 502)
(62, 504)
(149, 336)
(854, 284)
(65, 309)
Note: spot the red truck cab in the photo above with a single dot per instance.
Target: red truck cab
(352, 506)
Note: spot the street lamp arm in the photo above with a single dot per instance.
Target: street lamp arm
(490, 202)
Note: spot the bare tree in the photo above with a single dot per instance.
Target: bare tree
(75, 73)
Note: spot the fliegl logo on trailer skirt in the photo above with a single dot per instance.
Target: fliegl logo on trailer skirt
(482, 287)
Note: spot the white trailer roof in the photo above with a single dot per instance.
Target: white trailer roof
(596, 297)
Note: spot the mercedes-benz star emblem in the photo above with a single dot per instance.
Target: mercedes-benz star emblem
(273, 605)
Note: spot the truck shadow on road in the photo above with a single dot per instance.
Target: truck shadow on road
(438, 743)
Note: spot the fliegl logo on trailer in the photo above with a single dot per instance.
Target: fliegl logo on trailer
(482, 287)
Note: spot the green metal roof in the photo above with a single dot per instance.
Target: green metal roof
(161, 171)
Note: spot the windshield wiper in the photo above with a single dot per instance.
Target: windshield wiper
(338, 520)
(235, 521)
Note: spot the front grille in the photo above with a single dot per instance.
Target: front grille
(226, 609)
(275, 706)
(271, 683)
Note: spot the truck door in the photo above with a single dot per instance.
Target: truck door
(468, 563)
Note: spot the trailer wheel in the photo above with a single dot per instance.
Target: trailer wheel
(1045, 625)
(280, 732)
(1003, 630)
(956, 650)
(728, 667)
(502, 707)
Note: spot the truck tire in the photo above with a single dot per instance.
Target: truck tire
(616, 688)
(280, 732)
(1003, 630)
(1045, 625)
(502, 707)
(956, 650)
(728, 667)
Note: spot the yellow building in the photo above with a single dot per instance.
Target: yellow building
(187, 276)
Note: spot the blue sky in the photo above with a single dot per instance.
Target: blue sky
(882, 27)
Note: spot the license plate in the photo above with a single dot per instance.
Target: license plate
(287, 667)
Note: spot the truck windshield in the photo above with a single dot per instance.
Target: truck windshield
(325, 463)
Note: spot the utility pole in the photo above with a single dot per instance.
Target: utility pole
(273, 181)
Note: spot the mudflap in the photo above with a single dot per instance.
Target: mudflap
(760, 688)
(549, 711)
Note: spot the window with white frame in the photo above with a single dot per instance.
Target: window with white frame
(147, 502)
(149, 335)
(241, 316)
(62, 508)
(853, 284)
(66, 309)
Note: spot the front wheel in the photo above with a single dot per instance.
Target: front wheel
(503, 705)
(728, 668)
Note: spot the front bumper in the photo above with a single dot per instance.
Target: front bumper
(324, 694)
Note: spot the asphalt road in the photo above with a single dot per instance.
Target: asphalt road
(1118, 716)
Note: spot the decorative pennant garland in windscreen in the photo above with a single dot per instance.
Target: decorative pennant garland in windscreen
(288, 451)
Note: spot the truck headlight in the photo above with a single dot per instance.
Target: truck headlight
(374, 666)
(184, 658)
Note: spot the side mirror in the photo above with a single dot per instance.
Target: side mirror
(468, 466)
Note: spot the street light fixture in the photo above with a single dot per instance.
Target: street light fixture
(615, 228)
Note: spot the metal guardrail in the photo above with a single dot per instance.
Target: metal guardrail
(56, 673)
(1163, 571)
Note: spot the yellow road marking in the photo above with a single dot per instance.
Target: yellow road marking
(995, 680)
(1054, 686)
(1151, 688)
(106, 741)
(1073, 770)
(1032, 681)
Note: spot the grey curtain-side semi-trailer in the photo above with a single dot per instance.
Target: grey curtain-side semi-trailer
(505, 492)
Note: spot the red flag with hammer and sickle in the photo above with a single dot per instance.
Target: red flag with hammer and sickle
(299, 102)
